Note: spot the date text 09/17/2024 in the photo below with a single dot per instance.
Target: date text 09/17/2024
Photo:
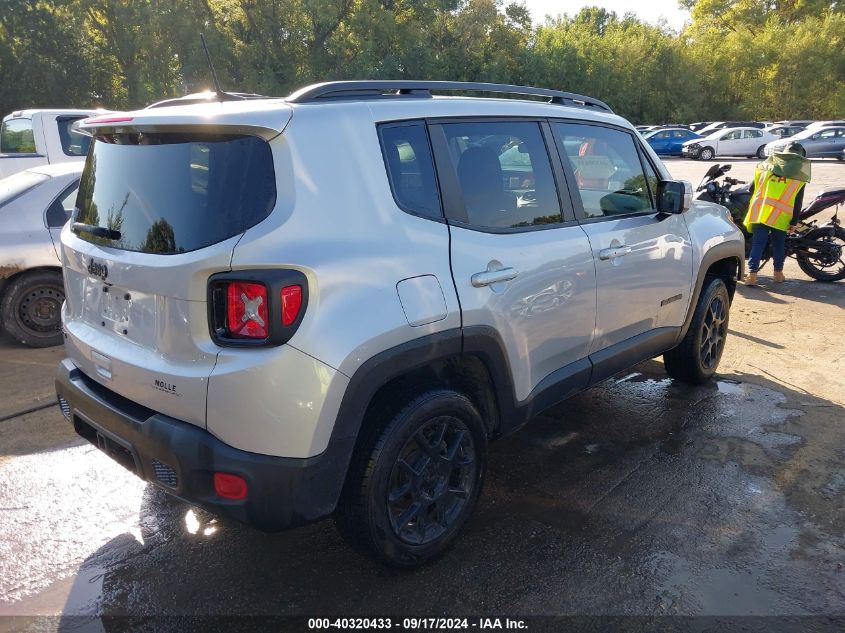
(417, 624)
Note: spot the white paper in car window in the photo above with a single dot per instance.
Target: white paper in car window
(594, 167)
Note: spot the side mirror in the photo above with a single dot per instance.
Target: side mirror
(673, 196)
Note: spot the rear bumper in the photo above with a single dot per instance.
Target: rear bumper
(182, 458)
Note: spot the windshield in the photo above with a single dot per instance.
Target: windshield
(169, 193)
(19, 183)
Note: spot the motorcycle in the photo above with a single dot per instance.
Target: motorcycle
(818, 248)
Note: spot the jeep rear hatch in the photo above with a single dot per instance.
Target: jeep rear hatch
(160, 209)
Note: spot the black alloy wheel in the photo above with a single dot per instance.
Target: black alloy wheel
(415, 476)
(714, 328)
(697, 356)
(431, 481)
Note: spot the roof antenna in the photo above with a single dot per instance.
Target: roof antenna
(221, 96)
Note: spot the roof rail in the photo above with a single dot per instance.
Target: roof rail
(398, 88)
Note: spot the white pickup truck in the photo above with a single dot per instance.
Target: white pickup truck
(30, 138)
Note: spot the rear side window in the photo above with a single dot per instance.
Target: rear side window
(16, 137)
(173, 193)
(61, 210)
(410, 168)
(607, 169)
(73, 143)
(18, 184)
(504, 174)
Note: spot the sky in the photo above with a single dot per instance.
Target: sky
(649, 11)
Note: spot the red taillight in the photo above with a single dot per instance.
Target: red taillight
(230, 486)
(246, 309)
(256, 308)
(291, 303)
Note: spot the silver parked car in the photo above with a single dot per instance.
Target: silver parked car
(329, 304)
(827, 142)
(34, 205)
(740, 141)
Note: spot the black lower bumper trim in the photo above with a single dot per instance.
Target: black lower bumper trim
(182, 458)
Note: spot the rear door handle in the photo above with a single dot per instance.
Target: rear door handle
(489, 277)
(614, 252)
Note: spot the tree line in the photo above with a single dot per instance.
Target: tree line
(735, 59)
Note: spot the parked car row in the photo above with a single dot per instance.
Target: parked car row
(708, 140)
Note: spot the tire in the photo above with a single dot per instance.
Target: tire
(706, 154)
(761, 152)
(696, 358)
(31, 308)
(414, 482)
(835, 271)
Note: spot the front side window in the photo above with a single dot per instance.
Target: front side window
(504, 174)
(173, 193)
(607, 169)
(73, 143)
(828, 134)
(410, 168)
(732, 136)
(16, 137)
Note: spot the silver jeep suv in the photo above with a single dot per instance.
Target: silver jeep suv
(329, 304)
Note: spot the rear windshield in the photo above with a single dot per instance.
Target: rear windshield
(173, 193)
(19, 183)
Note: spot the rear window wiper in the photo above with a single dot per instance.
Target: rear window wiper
(96, 231)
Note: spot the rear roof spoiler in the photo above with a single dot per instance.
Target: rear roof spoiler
(265, 120)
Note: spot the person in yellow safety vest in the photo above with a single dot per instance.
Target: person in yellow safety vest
(776, 201)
